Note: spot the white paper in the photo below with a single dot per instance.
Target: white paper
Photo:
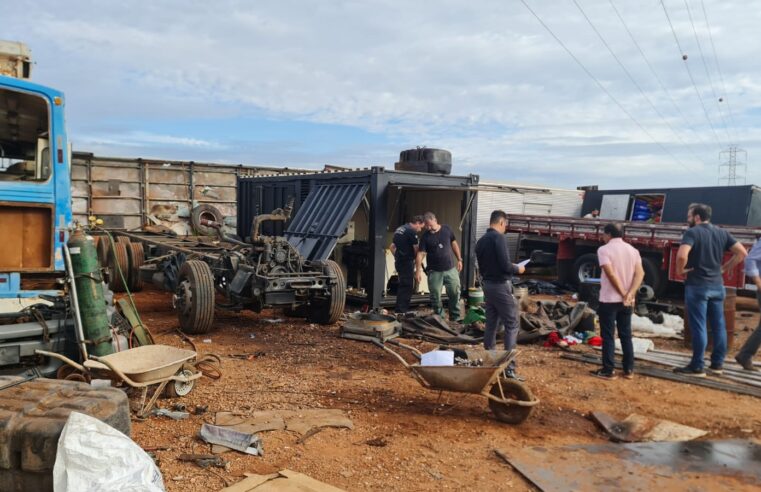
(438, 358)
(524, 263)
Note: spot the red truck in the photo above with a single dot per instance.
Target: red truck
(573, 242)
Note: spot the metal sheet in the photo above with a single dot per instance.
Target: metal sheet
(673, 466)
(323, 218)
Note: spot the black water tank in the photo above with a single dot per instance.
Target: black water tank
(423, 160)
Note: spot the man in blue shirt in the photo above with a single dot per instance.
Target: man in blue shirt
(700, 258)
(752, 266)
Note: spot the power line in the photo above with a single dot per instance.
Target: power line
(718, 69)
(602, 87)
(655, 74)
(689, 72)
(631, 78)
(708, 74)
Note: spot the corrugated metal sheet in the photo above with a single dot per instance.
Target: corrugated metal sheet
(535, 201)
(323, 218)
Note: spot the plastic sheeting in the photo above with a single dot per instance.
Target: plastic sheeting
(93, 456)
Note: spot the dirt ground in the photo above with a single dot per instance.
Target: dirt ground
(301, 366)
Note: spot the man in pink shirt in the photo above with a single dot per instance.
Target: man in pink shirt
(622, 274)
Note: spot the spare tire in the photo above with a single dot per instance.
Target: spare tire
(208, 212)
(586, 266)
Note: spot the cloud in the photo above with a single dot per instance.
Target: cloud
(482, 78)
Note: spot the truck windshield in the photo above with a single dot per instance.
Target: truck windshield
(24, 137)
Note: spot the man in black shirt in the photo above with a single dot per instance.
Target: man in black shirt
(405, 248)
(700, 258)
(437, 246)
(496, 274)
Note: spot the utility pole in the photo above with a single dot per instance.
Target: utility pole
(729, 164)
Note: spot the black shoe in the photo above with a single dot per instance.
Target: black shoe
(698, 373)
(510, 374)
(603, 374)
(746, 364)
(716, 370)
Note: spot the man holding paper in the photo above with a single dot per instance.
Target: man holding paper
(496, 274)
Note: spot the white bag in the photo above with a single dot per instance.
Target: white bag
(93, 456)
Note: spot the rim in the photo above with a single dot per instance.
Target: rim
(588, 270)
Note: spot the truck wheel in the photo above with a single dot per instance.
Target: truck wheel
(654, 276)
(208, 212)
(194, 299)
(327, 311)
(137, 257)
(586, 266)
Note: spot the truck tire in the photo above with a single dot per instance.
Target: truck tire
(655, 277)
(118, 268)
(586, 266)
(327, 311)
(194, 299)
(137, 258)
(208, 212)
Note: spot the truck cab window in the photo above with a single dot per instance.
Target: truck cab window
(24, 137)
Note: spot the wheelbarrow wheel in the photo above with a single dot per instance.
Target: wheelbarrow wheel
(514, 390)
(194, 299)
(176, 389)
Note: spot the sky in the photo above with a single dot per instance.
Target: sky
(353, 83)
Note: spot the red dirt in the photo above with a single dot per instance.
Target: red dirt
(310, 366)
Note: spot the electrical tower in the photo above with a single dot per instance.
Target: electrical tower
(729, 164)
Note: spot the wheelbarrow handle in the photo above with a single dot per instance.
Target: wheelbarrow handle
(116, 371)
(62, 358)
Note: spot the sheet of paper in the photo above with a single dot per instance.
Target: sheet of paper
(524, 263)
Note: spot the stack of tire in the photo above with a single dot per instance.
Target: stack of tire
(122, 261)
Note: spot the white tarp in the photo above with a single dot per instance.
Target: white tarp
(93, 456)
(672, 327)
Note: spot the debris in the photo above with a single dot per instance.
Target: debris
(646, 370)
(435, 473)
(377, 442)
(200, 409)
(434, 329)
(540, 318)
(713, 465)
(638, 428)
(282, 481)
(163, 412)
(207, 340)
(92, 455)
(271, 321)
(672, 326)
(230, 438)
(204, 460)
(179, 407)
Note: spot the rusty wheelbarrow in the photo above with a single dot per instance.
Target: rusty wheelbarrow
(162, 366)
(510, 400)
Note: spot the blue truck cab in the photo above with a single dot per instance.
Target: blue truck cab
(35, 215)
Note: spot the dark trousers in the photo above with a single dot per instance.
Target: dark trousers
(752, 344)
(405, 269)
(501, 309)
(615, 315)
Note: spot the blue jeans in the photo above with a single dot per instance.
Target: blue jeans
(701, 303)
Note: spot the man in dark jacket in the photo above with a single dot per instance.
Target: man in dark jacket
(441, 252)
(405, 248)
(496, 277)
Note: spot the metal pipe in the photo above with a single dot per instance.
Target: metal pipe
(75, 302)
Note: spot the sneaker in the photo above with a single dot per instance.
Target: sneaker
(510, 374)
(746, 364)
(698, 373)
(716, 370)
(603, 374)
(628, 374)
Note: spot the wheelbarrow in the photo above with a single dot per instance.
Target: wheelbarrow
(509, 400)
(163, 366)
